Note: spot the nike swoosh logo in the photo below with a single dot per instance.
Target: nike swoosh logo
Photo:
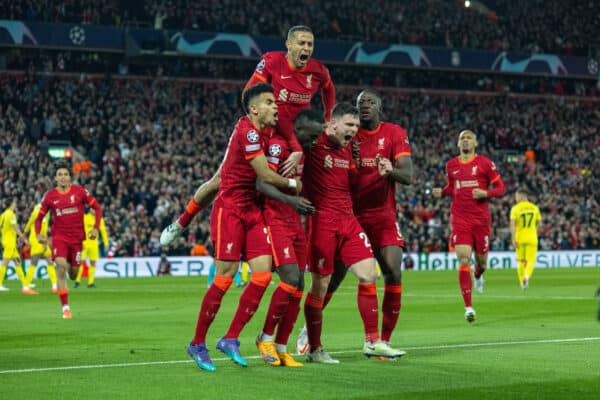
(286, 76)
(455, 172)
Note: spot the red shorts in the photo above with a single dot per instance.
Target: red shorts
(333, 238)
(382, 229)
(289, 245)
(478, 236)
(238, 233)
(71, 251)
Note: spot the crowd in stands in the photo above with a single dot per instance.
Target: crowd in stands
(151, 142)
(488, 24)
(50, 61)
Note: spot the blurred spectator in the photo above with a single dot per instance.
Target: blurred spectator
(164, 267)
(199, 249)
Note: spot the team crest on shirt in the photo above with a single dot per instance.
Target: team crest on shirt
(474, 172)
(286, 252)
(252, 136)
(320, 263)
(229, 247)
(72, 198)
(328, 162)
(283, 95)
(261, 66)
(380, 143)
(309, 81)
(274, 150)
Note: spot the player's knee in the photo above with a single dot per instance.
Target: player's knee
(366, 273)
(290, 274)
(393, 277)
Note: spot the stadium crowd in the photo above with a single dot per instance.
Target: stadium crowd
(50, 61)
(151, 142)
(487, 24)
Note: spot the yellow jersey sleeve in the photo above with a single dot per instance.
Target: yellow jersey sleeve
(103, 233)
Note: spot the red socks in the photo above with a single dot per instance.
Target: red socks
(369, 310)
(313, 312)
(278, 306)
(249, 302)
(285, 327)
(390, 308)
(190, 212)
(210, 306)
(466, 285)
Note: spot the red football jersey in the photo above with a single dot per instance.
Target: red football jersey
(274, 210)
(294, 89)
(68, 209)
(238, 178)
(463, 177)
(371, 191)
(327, 170)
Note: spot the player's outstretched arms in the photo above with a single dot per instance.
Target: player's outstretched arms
(300, 204)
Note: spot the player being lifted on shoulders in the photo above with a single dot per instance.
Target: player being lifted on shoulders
(295, 77)
(470, 176)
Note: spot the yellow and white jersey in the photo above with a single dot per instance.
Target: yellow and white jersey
(525, 216)
(8, 220)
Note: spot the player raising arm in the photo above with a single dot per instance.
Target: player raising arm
(469, 179)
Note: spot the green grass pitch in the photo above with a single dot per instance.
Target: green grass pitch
(127, 340)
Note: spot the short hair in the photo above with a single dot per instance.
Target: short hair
(341, 109)
(298, 28)
(62, 165)
(8, 201)
(310, 115)
(374, 93)
(253, 91)
(524, 191)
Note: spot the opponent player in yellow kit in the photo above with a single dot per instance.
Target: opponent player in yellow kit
(39, 250)
(91, 249)
(525, 219)
(10, 231)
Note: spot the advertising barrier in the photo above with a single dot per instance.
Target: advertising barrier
(134, 41)
(196, 266)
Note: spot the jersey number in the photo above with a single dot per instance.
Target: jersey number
(527, 219)
(364, 237)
